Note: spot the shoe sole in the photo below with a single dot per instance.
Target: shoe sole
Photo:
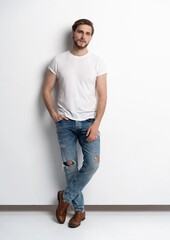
(74, 226)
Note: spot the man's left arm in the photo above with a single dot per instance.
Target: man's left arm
(101, 87)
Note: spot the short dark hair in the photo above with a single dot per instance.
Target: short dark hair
(83, 21)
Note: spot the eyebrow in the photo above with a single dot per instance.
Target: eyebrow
(80, 30)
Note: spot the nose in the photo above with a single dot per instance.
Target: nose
(83, 35)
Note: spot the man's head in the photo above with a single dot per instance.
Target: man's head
(82, 33)
(83, 22)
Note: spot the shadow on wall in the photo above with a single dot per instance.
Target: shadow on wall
(67, 41)
(49, 129)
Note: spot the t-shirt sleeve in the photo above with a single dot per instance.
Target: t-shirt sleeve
(101, 67)
(53, 66)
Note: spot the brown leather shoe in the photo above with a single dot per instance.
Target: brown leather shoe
(75, 221)
(61, 210)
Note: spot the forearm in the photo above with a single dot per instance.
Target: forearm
(102, 98)
(92, 132)
(101, 106)
(48, 100)
(47, 92)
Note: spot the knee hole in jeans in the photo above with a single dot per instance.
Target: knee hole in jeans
(69, 163)
(97, 159)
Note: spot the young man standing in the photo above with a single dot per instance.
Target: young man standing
(80, 77)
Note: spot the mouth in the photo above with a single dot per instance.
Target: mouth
(82, 41)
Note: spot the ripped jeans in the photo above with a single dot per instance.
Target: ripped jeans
(69, 133)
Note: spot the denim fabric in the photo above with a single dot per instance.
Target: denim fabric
(69, 133)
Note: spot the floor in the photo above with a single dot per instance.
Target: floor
(98, 225)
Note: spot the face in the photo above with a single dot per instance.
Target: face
(82, 36)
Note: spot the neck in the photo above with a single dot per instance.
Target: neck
(78, 52)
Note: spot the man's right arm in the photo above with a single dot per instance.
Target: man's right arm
(49, 84)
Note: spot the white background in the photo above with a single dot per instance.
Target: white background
(133, 37)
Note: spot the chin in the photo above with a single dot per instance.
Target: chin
(79, 46)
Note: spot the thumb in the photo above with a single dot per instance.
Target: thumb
(88, 132)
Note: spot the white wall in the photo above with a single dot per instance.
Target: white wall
(133, 37)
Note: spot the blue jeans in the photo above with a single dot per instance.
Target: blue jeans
(69, 133)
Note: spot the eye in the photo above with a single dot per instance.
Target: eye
(79, 31)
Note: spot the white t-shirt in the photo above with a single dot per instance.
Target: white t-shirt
(76, 85)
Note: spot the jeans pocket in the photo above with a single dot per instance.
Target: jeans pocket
(90, 120)
(59, 121)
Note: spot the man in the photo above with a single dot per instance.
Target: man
(80, 77)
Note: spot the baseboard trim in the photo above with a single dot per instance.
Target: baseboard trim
(88, 208)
